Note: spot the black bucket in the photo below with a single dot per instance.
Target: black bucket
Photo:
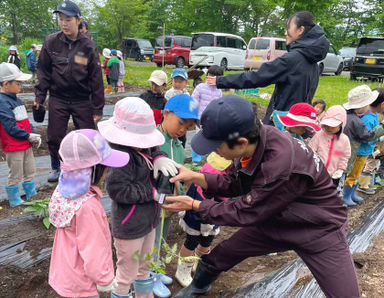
(38, 114)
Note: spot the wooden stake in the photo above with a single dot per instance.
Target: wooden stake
(162, 67)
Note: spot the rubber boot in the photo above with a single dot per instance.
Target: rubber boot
(143, 288)
(354, 196)
(129, 295)
(108, 89)
(165, 279)
(183, 273)
(55, 172)
(347, 201)
(199, 253)
(364, 187)
(13, 196)
(201, 283)
(159, 289)
(29, 188)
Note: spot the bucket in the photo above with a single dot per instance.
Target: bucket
(143, 288)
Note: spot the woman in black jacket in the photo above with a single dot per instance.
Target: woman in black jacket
(295, 74)
(14, 56)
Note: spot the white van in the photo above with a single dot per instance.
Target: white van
(225, 50)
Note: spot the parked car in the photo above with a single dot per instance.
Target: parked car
(263, 49)
(333, 62)
(176, 50)
(348, 54)
(225, 50)
(137, 48)
(369, 59)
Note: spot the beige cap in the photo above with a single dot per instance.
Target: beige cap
(360, 97)
(10, 72)
(159, 77)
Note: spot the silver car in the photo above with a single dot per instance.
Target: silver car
(333, 62)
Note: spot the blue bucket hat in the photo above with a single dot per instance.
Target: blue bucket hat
(183, 106)
(179, 72)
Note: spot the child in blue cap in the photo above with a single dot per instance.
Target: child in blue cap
(179, 83)
(180, 115)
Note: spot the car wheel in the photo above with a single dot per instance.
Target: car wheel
(159, 64)
(352, 77)
(339, 69)
(139, 57)
(224, 64)
(321, 69)
(180, 63)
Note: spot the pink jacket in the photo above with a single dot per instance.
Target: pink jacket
(82, 255)
(334, 152)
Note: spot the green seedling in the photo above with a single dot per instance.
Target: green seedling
(41, 207)
(193, 166)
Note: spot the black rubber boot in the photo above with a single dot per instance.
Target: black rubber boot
(201, 283)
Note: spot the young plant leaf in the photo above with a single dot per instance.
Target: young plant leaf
(46, 222)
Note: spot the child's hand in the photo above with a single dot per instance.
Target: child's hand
(167, 166)
(107, 288)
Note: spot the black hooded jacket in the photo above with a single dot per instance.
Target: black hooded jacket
(295, 74)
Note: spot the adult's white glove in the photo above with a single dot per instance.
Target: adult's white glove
(35, 139)
(107, 288)
(337, 174)
(167, 166)
(376, 153)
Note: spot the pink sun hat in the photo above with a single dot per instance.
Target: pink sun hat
(132, 124)
(301, 114)
(85, 148)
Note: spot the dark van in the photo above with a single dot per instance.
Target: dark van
(137, 48)
(369, 59)
(176, 50)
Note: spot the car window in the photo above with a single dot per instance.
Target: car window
(143, 43)
(239, 44)
(331, 50)
(348, 52)
(128, 43)
(252, 44)
(187, 42)
(231, 42)
(179, 41)
(221, 41)
(371, 46)
(202, 40)
(168, 42)
(280, 45)
(262, 44)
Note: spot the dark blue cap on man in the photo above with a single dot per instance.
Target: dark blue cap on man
(226, 118)
(69, 9)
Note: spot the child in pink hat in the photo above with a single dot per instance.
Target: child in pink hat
(135, 211)
(81, 261)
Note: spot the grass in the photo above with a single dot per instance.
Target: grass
(332, 89)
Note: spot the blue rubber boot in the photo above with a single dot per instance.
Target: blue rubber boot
(29, 188)
(166, 279)
(13, 196)
(159, 289)
(129, 295)
(354, 196)
(347, 201)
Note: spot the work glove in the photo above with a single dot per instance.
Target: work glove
(107, 288)
(337, 174)
(167, 166)
(376, 153)
(35, 139)
(381, 139)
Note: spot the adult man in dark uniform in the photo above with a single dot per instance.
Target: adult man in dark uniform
(69, 68)
(288, 200)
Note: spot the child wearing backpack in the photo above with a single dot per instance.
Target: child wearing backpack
(135, 211)
(81, 262)
(16, 135)
(31, 60)
(114, 70)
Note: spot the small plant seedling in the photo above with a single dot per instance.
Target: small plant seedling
(41, 207)
(193, 166)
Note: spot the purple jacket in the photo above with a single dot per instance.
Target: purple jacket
(284, 184)
(204, 94)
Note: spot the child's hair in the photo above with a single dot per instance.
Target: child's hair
(215, 71)
(319, 101)
(97, 173)
(380, 98)
(252, 136)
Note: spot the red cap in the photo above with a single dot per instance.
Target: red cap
(301, 114)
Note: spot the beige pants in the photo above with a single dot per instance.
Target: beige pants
(128, 269)
(21, 165)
